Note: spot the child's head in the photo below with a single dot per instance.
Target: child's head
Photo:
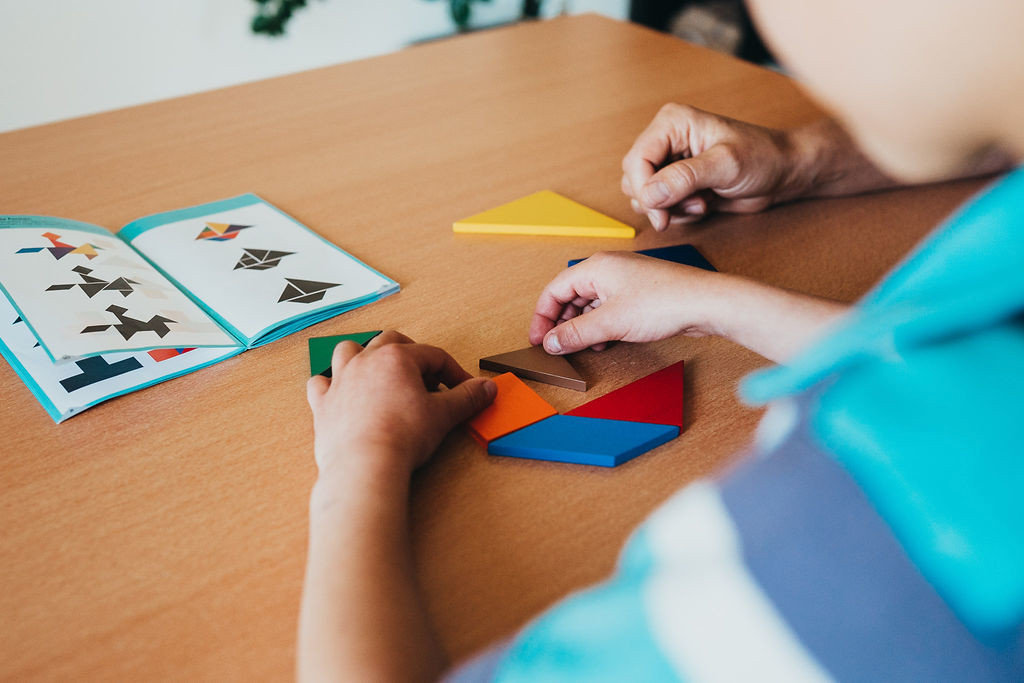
(923, 85)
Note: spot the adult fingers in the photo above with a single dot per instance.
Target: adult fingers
(660, 141)
(465, 400)
(715, 169)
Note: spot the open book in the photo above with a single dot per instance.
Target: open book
(90, 315)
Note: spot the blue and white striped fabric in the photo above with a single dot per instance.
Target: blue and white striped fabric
(877, 532)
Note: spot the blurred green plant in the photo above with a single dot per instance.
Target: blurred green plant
(272, 16)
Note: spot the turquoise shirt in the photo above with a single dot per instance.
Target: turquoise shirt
(881, 537)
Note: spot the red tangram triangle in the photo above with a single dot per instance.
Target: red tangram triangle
(655, 399)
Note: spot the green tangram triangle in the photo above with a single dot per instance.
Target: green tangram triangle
(322, 348)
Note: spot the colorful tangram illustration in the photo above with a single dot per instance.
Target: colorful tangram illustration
(304, 291)
(93, 285)
(260, 259)
(220, 232)
(160, 355)
(127, 327)
(96, 369)
(607, 432)
(61, 249)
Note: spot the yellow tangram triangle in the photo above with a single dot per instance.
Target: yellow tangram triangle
(544, 213)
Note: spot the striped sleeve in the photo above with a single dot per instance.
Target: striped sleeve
(781, 571)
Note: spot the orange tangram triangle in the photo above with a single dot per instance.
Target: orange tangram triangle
(655, 399)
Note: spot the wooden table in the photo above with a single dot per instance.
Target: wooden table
(163, 534)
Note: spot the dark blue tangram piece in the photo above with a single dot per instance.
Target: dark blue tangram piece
(96, 369)
(686, 254)
(583, 440)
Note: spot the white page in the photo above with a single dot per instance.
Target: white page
(72, 386)
(255, 276)
(84, 292)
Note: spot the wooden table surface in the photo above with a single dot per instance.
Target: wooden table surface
(162, 535)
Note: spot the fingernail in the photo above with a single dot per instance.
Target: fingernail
(635, 205)
(490, 389)
(655, 193)
(694, 208)
(655, 218)
(552, 345)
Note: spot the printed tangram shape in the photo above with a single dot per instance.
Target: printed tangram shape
(321, 349)
(61, 249)
(260, 259)
(537, 364)
(160, 355)
(128, 326)
(686, 254)
(544, 213)
(220, 232)
(304, 291)
(19, 320)
(656, 399)
(96, 369)
(515, 406)
(92, 285)
(583, 440)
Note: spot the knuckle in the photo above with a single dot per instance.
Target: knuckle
(729, 157)
(570, 334)
(679, 175)
(391, 354)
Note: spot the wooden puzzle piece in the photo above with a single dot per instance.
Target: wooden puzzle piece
(656, 399)
(583, 440)
(321, 349)
(544, 213)
(686, 254)
(515, 406)
(537, 364)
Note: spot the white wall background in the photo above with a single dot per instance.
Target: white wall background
(66, 58)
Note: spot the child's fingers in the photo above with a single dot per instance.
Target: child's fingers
(434, 363)
(316, 387)
(343, 353)
(465, 400)
(388, 337)
(593, 328)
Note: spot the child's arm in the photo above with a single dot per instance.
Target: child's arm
(689, 163)
(628, 297)
(375, 421)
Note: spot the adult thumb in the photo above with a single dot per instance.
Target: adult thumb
(582, 332)
(714, 169)
(465, 400)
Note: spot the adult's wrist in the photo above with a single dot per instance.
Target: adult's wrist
(811, 152)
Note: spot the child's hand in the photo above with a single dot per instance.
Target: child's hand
(624, 296)
(382, 410)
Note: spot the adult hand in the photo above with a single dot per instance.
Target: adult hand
(624, 296)
(689, 162)
(382, 407)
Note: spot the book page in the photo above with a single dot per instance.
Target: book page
(82, 292)
(66, 388)
(253, 266)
